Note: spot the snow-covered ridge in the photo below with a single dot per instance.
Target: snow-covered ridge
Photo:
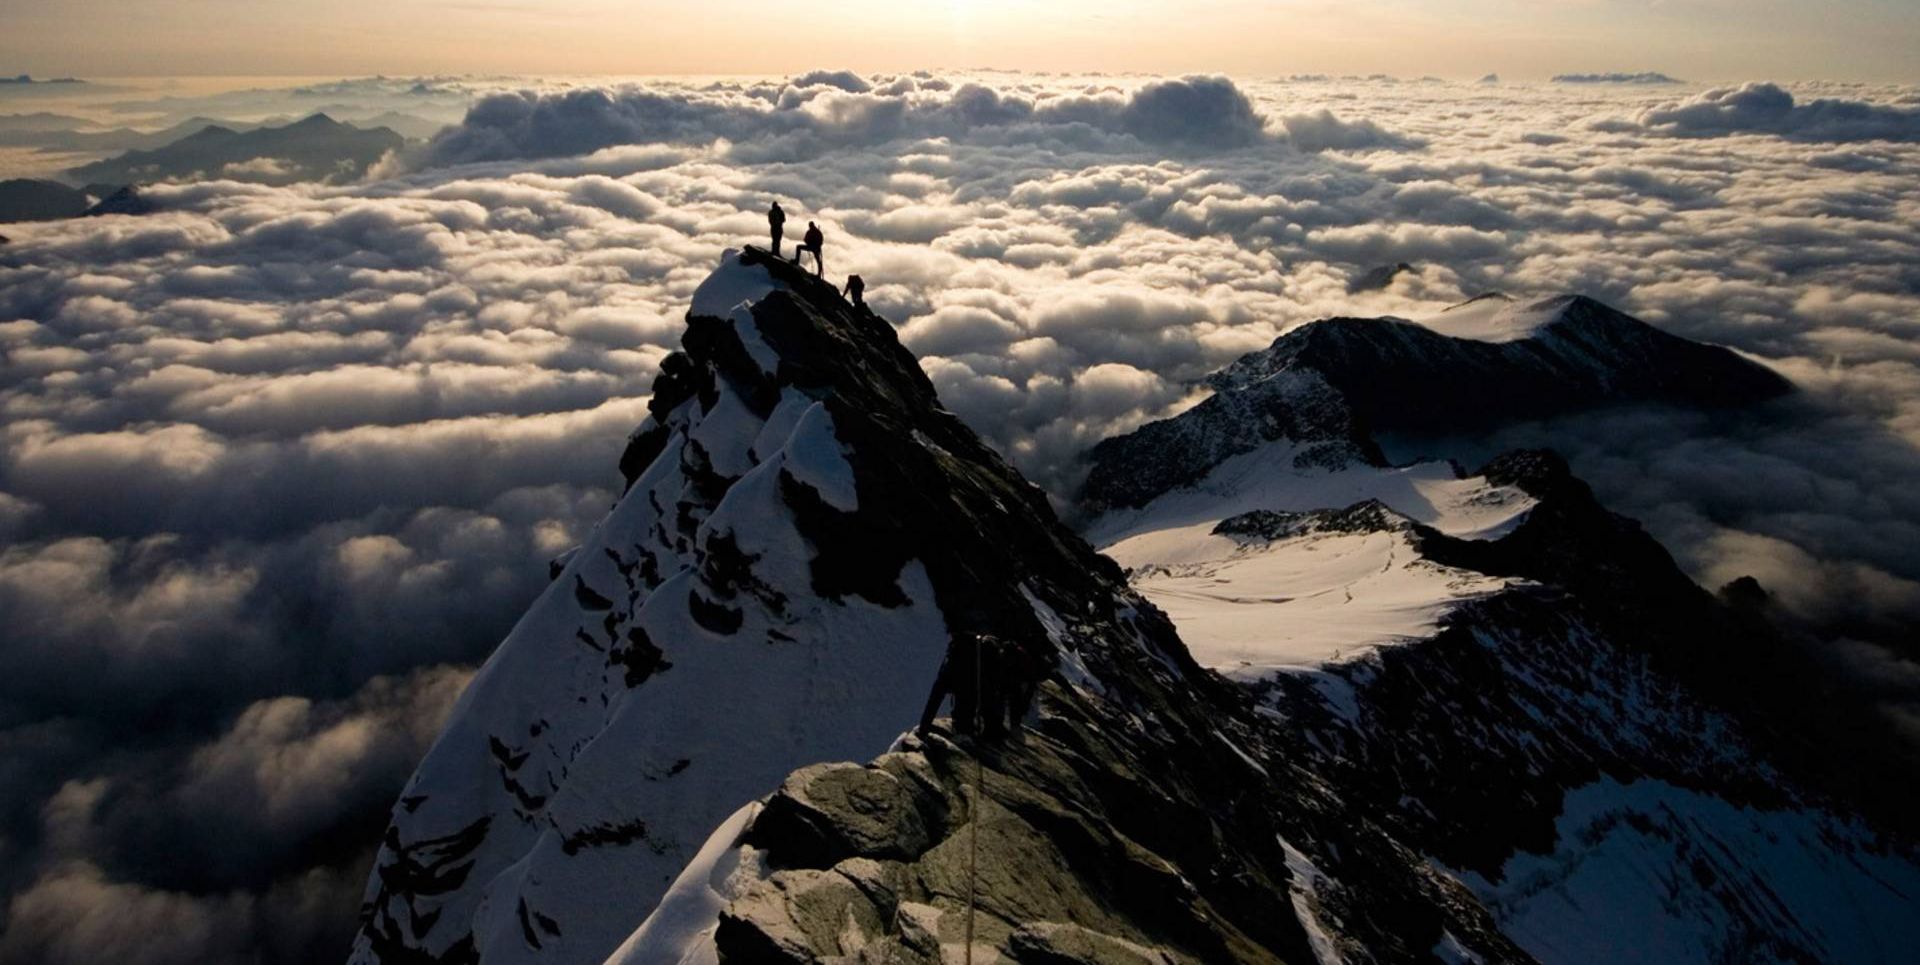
(677, 669)
(1494, 317)
(1249, 604)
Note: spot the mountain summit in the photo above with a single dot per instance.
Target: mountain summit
(699, 744)
(803, 531)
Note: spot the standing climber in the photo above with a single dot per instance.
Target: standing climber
(812, 241)
(855, 288)
(992, 682)
(777, 219)
(959, 669)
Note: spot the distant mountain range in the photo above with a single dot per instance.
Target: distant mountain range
(26, 199)
(1645, 77)
(60, 132)
(318, 148)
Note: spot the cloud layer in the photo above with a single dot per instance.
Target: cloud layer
(279, 464)
(1770, 109)
(825, 110)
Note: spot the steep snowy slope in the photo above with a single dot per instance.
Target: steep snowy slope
(680, 665)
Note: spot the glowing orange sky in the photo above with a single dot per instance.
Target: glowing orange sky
(1695, 39)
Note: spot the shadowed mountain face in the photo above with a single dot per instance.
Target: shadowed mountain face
(1340, 380)
(664, 761)
(54, 132)
(315, 149)
(23, 199)
(1558, 355)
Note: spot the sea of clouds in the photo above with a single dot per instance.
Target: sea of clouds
(280, 465)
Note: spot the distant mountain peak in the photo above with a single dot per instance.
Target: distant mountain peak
(1491, 359)
(127, 200)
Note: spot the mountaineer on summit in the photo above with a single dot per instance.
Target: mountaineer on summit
(777, 219)
(812, 241)
(856, 287)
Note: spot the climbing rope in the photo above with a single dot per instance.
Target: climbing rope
(979, 787)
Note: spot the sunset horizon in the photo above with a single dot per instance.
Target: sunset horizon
(497, 482)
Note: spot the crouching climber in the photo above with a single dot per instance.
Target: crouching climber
(992, 683)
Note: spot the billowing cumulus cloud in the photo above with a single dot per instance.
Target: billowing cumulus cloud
(822, 111)
(1769, 109)
(279, 464)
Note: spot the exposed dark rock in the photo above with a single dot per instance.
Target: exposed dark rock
(1377, 278)
(604, 835)
(643, 446)
(1745, 593)
(26, 199)
(729, 571)
(1400, 375)
(1331, 384)
(714, 617)
(1129, 470)
(640, 658)
(127, 200)
(1269, 525)
(588, 597)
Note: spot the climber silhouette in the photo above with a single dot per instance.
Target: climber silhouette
(855, 288)
(992, 682)
(811, 242)
(777, 219)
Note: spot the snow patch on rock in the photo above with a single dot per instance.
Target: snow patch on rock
(731, 285)
(816, 459)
